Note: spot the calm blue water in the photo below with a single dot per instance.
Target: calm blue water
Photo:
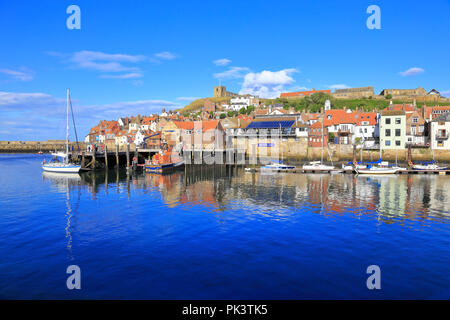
(284, 236)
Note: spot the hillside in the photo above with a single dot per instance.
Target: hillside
(315, 102)
(196, 105)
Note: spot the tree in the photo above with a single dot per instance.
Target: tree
(223, 116)
(243, 110)
(389, 96)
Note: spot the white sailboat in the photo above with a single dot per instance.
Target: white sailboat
(63, 166)
(318, 165)
(428, 165)
(382, 168)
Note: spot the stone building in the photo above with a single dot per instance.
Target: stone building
(221, 91)
(353, 93)
(404, 93)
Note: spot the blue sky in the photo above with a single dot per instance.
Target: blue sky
(132, 57)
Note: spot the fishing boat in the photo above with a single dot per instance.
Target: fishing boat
(61, 162)
(277, 166)
(166, 160)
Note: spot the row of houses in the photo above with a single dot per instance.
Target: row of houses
(395, 127)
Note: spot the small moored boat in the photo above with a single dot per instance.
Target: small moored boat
(277, 166)
(317, 166)
(164, 161)
(382, 168)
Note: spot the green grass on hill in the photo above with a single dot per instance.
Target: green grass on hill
(316, 101)
(196, 105)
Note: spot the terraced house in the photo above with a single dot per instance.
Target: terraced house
(392, 129)
(440, 131)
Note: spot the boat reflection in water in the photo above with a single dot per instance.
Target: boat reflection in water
(386, 198)
(64, 182)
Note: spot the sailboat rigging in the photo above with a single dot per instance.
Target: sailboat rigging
(63, 166)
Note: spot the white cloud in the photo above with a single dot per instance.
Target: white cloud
(446, 93)
(40, 116)
(132, 75)
(412, 72)
(232, 73)
(105, 62)
(165, 55)
(267, 84)
(17, 75)
(338, 86)
(222, 62)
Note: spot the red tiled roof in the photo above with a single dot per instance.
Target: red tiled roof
(339, 116)
(185, 125)
(367, 116)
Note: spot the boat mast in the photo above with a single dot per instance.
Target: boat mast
(67, 127)
(321, 158)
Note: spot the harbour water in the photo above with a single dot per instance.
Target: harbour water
(221, 234)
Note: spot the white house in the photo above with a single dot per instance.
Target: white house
(439, 132)
(237, 103)
(366, 128)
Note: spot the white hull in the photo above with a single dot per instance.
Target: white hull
(427, 167)
(377, 171)
(61, 168)
(277, 168)
(318, 167)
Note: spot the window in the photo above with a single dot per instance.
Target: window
(388, 121)
(397, 143)
(388, 132)
(388, 143)
(365, 130)
(420, 129)
(415, 120)
(397, 132)
(398, 120)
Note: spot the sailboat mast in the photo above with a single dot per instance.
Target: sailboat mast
(321, 158)
(67, 125)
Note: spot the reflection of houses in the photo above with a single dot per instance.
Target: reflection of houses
(392, 195)
(439, 132)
